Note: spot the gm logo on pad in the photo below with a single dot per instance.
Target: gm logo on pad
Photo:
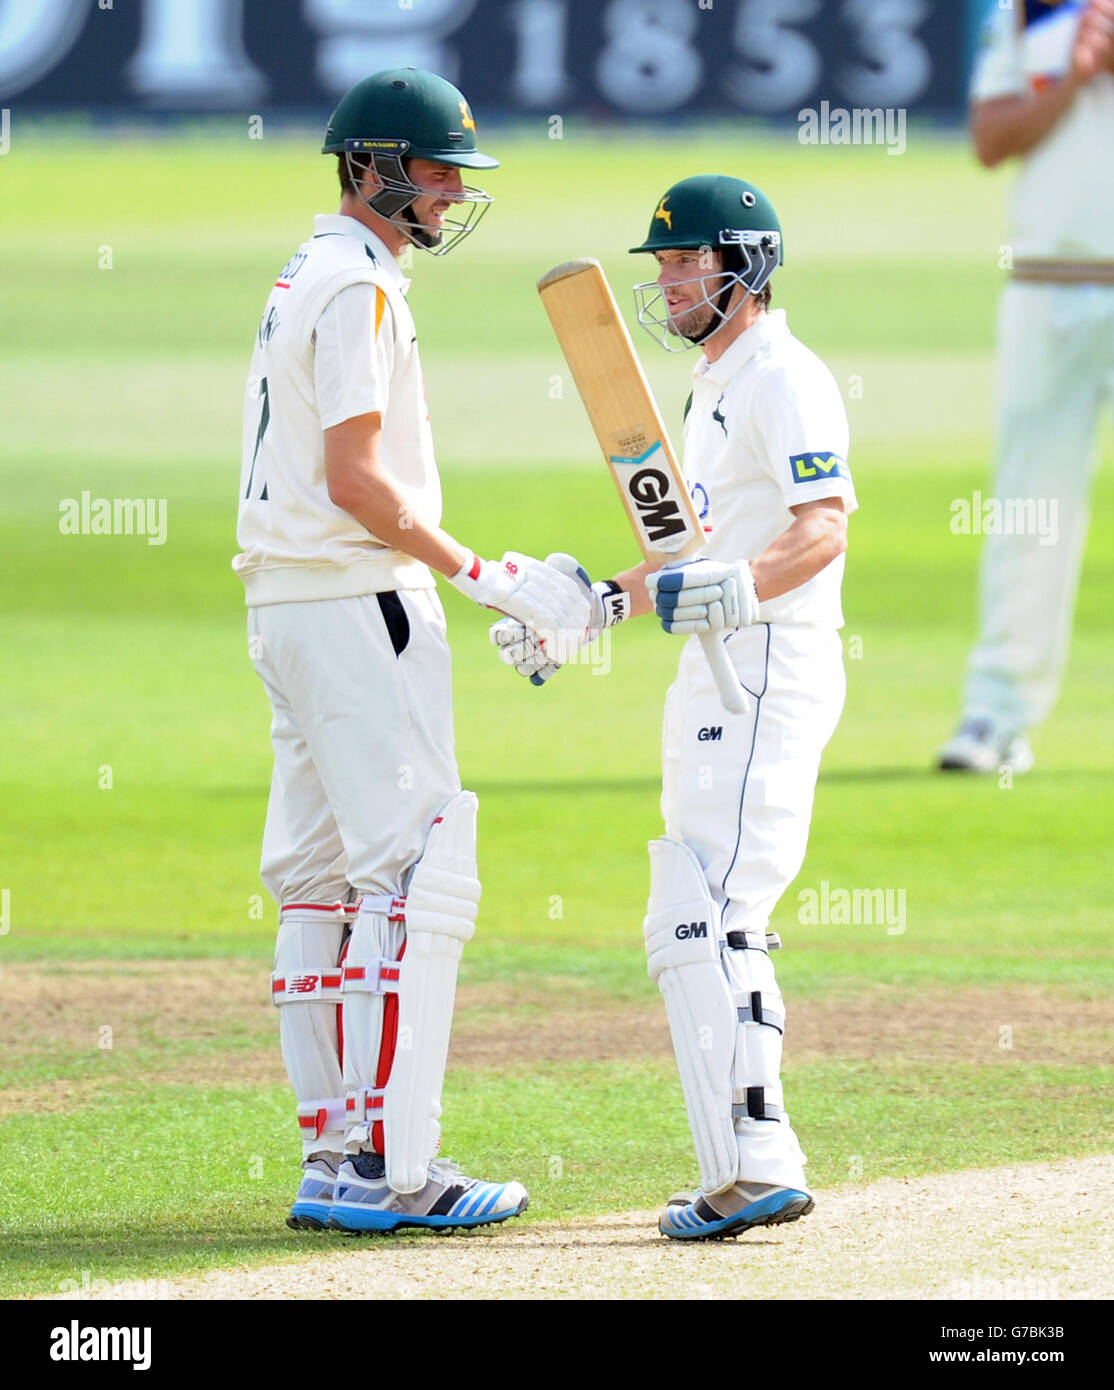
(812, 468)
(687, 930)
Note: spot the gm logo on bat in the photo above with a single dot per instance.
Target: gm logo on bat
(654, 495)
(811, 468)
(651, 492)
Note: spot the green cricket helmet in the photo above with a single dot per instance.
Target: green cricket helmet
(712, 212)
(401, 114)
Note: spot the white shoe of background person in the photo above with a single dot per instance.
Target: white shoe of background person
(977, 746)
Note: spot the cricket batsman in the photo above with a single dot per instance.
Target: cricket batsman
(765, 456)
(1042, 93)
(369, 845)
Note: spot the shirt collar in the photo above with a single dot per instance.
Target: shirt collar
(770, 327)
(333, 224)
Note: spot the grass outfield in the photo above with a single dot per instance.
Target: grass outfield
(974, 1037)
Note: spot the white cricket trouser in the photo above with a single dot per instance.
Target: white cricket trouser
(363, 740)
(738, 789)
(364, 761)
(1055, 368)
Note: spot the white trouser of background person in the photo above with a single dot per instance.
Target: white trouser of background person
(1055, 368)
(738, 790)
(364, 761)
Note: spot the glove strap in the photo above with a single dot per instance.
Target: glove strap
(466, 579)
(615, 601)
(749, 602)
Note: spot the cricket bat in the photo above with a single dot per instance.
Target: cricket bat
(630, 431)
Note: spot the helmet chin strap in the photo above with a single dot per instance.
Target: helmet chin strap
(415, 231)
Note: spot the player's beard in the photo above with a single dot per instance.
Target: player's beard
(692, 323)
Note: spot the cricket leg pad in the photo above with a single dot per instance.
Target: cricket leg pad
(442, 903)
(370, 1017)
(306, 987)
(768, 1148)
(682, 932)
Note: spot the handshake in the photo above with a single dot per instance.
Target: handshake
(555, 609)
(539, 650)
(546, 598)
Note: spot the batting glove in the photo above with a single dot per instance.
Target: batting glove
(539, 654)
(704, 596)
(541, 596)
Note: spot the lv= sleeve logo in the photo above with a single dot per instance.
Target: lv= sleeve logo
(810, 468)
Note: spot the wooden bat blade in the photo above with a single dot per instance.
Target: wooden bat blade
(567, 268)
(630, 430)
(621, 408)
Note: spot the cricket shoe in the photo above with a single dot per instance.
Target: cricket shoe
(978, 747)
(314, 1202)
(449, 1200)
(692, 1216)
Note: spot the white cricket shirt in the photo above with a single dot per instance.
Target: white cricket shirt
(767, 431)
(1062, 205)
(336, 340)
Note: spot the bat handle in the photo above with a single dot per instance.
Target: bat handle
(731, 692)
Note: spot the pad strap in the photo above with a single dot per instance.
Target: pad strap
(318, 1117)
(756, 1106)
(763, 1009)
(364, 1106)
(393, 908)
(321, 910)
(307, 987)
(753, 941)
(379, 976)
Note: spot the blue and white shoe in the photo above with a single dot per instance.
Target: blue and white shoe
(314, 1203)
(449, 1201)
(692, 1216)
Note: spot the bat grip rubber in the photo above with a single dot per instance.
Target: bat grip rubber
(730, 690)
